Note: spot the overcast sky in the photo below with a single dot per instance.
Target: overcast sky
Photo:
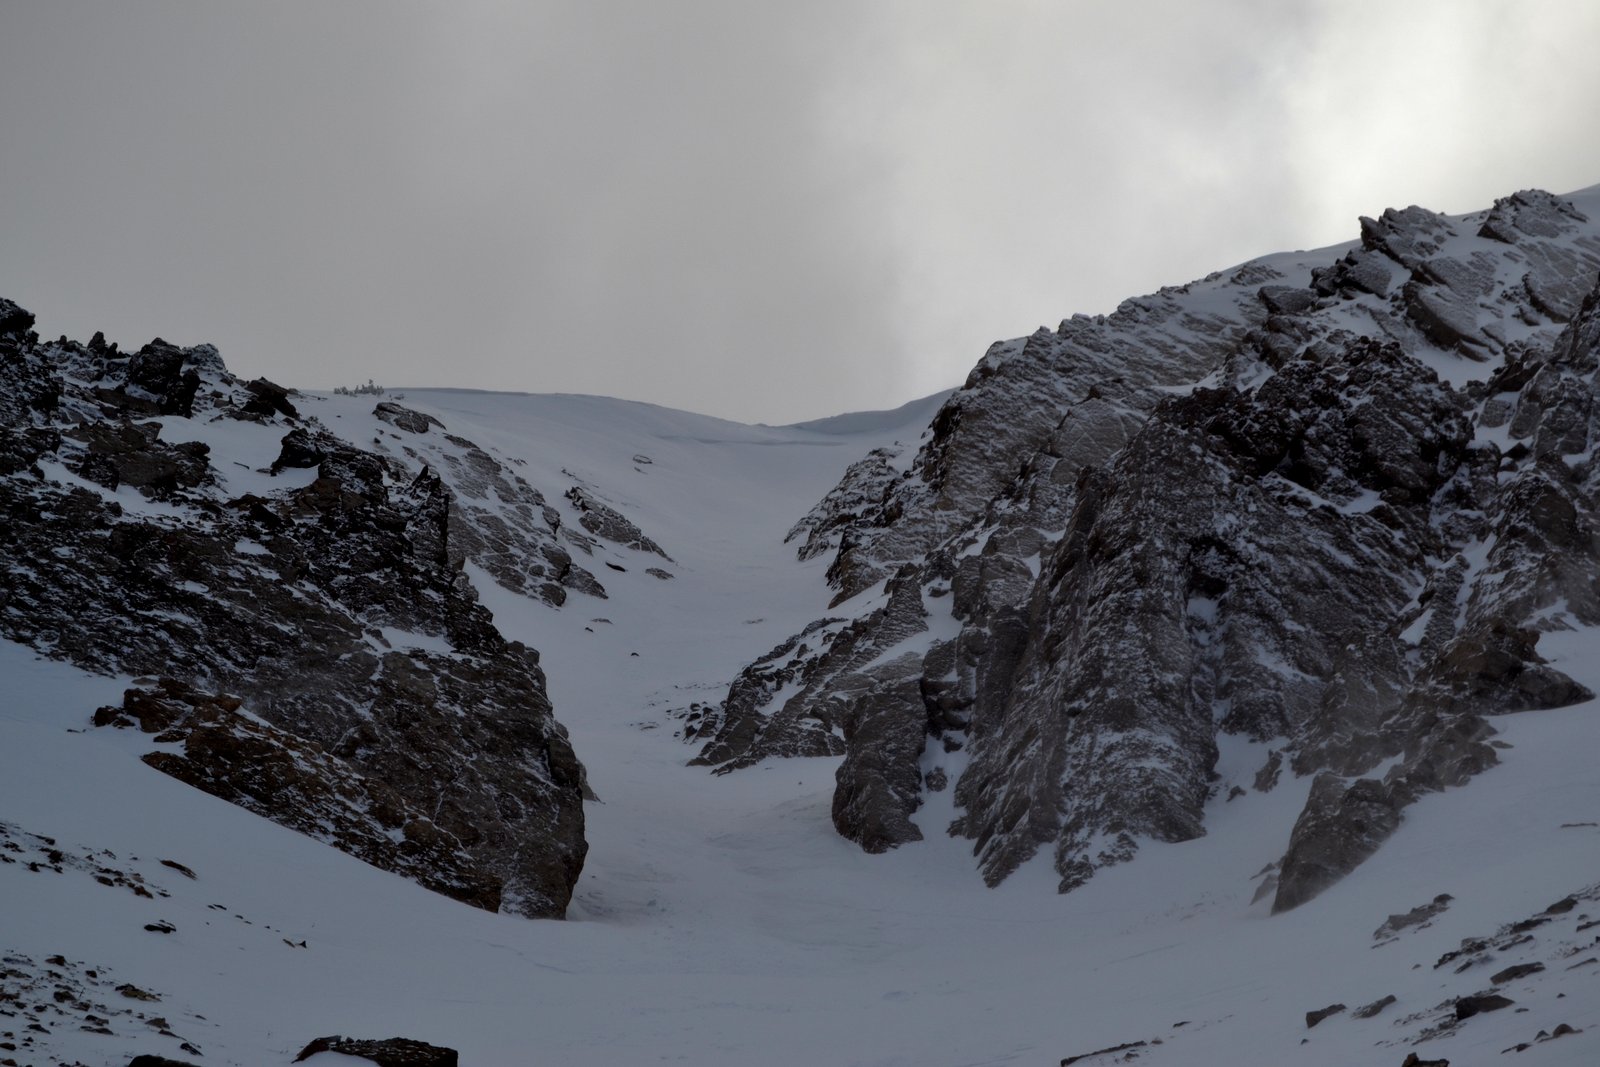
(767, 211)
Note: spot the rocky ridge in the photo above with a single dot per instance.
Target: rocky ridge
(1326, 502)
(298, 607)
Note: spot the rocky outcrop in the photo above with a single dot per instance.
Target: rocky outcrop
(1328, 502)
(298, 784)
(405, 418)
(373, 702)
(854, 698)
(865, 484)
(496, 519)
(389, 1052)
(609, 524)
(1420, 916)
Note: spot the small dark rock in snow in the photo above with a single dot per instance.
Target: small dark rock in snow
(1315, 1017)
(180, 868)
(1469, 947)
(1369, 1010)
(1467, 1007)
(162, 927)
(1511, 974)
(1102, 1052)
(390, 1052)
(1420, 914)
(133, 992)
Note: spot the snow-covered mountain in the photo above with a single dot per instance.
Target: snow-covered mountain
(1324, 504)
(1209, 611)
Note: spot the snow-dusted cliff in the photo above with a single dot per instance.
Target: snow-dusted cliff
(1211, 611)
(1325, 502)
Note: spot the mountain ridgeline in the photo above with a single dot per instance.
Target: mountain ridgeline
(1325, 503)
(1319, 509)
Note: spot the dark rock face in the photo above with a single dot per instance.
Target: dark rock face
(848, 694)
(268, 399)
(865, 483)
(298, 784)
(495, 520)
(1340, 827)
(374, 703)
(158, 372)
(14, 321)
(127, 453)
(741, 735)
(1250, 506)
(390, 1052)
(880, 780)
(298, 449)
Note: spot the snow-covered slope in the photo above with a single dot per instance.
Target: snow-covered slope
(720, 920)
(649, 556)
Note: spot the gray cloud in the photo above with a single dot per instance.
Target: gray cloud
(762, 211)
